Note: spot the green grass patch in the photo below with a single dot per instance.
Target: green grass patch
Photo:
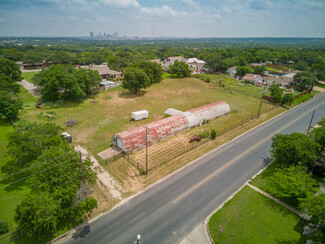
(28, 99)
(251, 217)
(322, 85)
(302, 99)
(10, 195)
(29, 75)
(167, 75)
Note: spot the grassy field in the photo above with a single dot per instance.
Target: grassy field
(29, 75)
(322, 85)
(109, 112)
(251, 217)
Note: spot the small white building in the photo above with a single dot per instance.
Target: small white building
(139, 115)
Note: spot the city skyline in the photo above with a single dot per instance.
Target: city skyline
(181, 18)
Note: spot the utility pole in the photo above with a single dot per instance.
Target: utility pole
(82, 168)
(259, 110)
(146, 150)
(311, 120)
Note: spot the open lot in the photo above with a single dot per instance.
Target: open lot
(109, 112)
(251, 217)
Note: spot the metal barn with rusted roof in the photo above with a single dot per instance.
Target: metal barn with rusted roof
(134, 139)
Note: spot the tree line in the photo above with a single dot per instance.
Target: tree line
(301, 169)
(59, 185)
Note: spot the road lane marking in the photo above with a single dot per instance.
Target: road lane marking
(243, 154)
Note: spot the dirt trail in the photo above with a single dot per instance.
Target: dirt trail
(104, 179)
(30, 87)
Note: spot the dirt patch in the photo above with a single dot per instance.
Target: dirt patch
(185, 90)
(86, 135)
(320, 89)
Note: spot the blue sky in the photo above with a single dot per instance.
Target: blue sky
(178, 18)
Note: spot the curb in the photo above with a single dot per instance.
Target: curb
(74, 230)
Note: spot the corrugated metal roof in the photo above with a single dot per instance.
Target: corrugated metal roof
(135, 138)
(172, 111)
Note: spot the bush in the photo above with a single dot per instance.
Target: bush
(213, 134)
(142, 171)
(4, 228)
(207, 79)
(204, 134)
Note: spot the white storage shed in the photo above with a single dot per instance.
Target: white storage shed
(138, 115)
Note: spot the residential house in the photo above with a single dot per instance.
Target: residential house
(170, 61)
(232, 71)
(107, 73)
(282, 80)
(256, 79)
(197, 64)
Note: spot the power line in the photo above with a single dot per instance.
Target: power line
(33, 166)
(33, 188)
(33, 174)
(28, 189)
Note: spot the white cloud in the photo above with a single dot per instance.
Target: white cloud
(159, 12)
(121, 3)
(189, 2)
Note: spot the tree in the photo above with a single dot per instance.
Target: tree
(135, 79)
(152, 69)
(10, 69)
(180, 69)
(314, 205)
(276, 92)
(305, 80)
(319, 70)
(8, 85)
(215, 62)
(260, 69)
(28, 141)
(318, 135)
(292, 182)
(58, 82)
(10, 106)
(38, 213)
(243, 70)
(287, 98)
(13, 54)
(294, 148)
(301, 65)
(54, 177)
(4, 228)
(86, 79)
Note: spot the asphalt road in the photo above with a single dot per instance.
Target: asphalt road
(168, 211)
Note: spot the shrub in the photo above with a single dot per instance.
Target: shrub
(4, 228)
(142, 171)
(207, 79)
(204, 134)
(213, 134)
